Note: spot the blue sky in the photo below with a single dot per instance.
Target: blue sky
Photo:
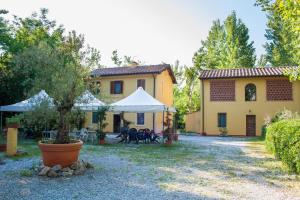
(151, 31)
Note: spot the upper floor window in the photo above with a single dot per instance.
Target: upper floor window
(279, 90)
(222, 90)
(141, 83)
(116, 87)
(250, 92)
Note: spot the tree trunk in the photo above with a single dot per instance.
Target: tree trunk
(62, 134)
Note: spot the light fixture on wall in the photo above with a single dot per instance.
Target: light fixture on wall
(250, 111)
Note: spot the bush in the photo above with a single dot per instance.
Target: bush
(283, 140)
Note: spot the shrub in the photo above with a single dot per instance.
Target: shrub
(283, 140)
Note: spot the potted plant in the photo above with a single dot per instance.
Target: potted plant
(3, 141)
(223, 131)
(168, 132)
(13, 122)
(101, 124)
(61, 70)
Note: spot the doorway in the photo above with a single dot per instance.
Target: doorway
(250, 125)
(117, 123)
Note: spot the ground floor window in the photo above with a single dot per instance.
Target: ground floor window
(95, 118)
(222, 121)
(140, 118)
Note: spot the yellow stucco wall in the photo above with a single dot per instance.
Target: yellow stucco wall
(163, 92)
(192, 122)
(238, 109)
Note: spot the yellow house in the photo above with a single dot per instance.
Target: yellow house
(241, 99)
(116, 83)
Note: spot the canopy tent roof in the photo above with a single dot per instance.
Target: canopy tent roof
(140, 101)
(28, 104)
(88, 102)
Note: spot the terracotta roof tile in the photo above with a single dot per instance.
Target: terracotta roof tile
(244, 72)
(132, 70)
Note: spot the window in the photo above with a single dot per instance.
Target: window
(95, 118)
(140, 118)
(141, 83)
(222, 90)
(116, 87)
(250, 92)
(222, 120)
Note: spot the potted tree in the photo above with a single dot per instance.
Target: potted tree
(168, 132)
(61, 70)
(101, 124)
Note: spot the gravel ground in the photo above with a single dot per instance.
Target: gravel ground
(196, 168)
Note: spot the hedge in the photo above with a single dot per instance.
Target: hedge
(283, 140)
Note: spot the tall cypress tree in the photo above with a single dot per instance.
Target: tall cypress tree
(227, 46)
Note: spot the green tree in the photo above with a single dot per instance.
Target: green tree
(115, 58)
(186, 93)
(283, 46)
(15, 37)
(61, 71)
(227, 46)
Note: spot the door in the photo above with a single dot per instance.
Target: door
(250, 125)
(117, 123)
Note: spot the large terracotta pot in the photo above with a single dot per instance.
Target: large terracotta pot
(62, 154)
(2, 147)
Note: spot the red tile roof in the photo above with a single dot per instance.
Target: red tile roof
(244, 72)
(133, 70)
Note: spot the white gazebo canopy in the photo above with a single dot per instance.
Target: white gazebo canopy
(88, 102)
(140, 101)
(28, 104)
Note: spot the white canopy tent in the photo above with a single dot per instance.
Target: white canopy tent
(139, 102)
(88, 102)
(28, 104)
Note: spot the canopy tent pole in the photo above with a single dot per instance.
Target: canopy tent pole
(1, 123)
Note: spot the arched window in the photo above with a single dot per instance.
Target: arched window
(250, 92)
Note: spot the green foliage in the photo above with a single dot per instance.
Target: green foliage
(26, 172)
(186, 93)
(283, 140)
(227, 46)
(126, 61)
(42, 117)
(16, 36)
(283, 33)
(76, 119)
(13, 120)
(101, 124)
(115, 58)
(282, 115)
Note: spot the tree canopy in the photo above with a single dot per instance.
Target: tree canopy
(227, 46)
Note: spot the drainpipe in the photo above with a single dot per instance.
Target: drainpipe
(202, 106)
(154, 94)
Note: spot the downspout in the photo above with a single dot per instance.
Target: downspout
(154, 95)
(202, 106)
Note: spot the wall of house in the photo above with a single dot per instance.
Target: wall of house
(192, 122)
(164, 93)
(238, 109)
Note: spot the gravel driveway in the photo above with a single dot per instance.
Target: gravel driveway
(195, 168)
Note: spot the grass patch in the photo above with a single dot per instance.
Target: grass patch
(26, 173)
